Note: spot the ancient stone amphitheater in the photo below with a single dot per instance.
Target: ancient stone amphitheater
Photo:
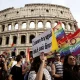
(19, 26)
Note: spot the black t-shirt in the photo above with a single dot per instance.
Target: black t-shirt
(17, 73)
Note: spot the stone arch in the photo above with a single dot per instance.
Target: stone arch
(48, 24)
(9, 27)
(63, 25)
(32, 25)
(13, 53)
(3, 27)
(16, 26)
(15, 39)
(31, 37)
(24, 25)
(55, 24)
(22, 53)
(69, 26)
(7, 40)
(23, 39)
(40, 24)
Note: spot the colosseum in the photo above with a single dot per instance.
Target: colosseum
(19, 26)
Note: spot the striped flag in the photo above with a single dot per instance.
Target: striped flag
(59, 32)
(74, 42)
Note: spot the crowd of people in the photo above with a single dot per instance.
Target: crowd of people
(39, 68)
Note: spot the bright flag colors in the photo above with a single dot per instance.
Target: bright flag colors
(74, 43)
(54, 42)
(59, 32)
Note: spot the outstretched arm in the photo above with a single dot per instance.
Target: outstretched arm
(39, 75)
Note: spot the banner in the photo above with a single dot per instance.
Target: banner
(45, 42)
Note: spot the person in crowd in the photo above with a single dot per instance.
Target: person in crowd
(70, 68)
(3, 68)
(38, 70)
(49, 66)
(57, 68)
(16, 71)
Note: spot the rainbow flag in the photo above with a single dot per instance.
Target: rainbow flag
(59, 32)
(63, 47)
(74, 43)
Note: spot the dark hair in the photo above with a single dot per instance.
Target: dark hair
(66, 65)
(35, 65)
(18, 58)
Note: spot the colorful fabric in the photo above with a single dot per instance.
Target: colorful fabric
(59, 32)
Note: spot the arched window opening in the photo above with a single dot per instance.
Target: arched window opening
(3, 27)
(69, 26)
(31, 37)
(75, 27)
(0, 40)
(13, 54)
(48, 25)
(23, 39)
(7, 40)
(16, 26)
(55, 24)
(14, 39)
(32, 25)
(9, 27)
(40, 25)
(24, 25)
(22, 53)
(63, 26)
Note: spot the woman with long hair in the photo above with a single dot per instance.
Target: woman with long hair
(70, 68)
(38, 70)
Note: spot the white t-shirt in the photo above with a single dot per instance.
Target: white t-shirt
(32, 75)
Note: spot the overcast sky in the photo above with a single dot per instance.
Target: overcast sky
(74, 5)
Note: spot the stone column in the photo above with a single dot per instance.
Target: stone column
(11, 40)
(44, 24)
(28, 24)
(12, 26)
(3, 40)
(36, 34)
(36, 24)
(72, 27)
(27, 38)
(18, 40)
(66, 26)
(52, 23)
(19, 25)
(0, 28)
(6, 27)
(17, 52)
